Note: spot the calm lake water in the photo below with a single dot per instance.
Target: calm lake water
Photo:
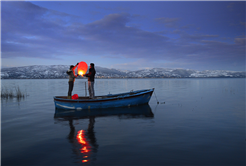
(202, 122)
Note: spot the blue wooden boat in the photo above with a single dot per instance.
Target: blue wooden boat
(128, 99)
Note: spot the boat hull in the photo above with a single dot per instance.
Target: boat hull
(110, 101)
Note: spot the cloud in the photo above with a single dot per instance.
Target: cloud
(186, 37)
(240, 41)
(243, 23)
(231, 6)
(168, 22)
(112, 36)
(123, 9)
(32, 31)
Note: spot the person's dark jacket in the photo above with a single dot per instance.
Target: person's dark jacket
(91, 74)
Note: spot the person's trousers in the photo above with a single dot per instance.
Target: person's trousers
(70, 89)
(91, 89)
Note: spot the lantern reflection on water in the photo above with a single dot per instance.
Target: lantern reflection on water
(85, 145)
(82, 68)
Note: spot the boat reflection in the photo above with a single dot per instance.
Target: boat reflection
(84, 143)
(130, 112)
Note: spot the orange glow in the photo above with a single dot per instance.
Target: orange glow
(80, 137)
(85, 145)
(84, 149)
(82, 68)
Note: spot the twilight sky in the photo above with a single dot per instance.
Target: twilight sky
(125, 35)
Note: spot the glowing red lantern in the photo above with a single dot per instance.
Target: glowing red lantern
(82, 68)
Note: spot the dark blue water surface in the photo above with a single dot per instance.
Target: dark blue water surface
(202, 122)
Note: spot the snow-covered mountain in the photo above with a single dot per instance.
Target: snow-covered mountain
(59, 71)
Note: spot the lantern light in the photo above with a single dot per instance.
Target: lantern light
(82, 68)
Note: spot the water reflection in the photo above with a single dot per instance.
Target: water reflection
(12, 100)
(85, 147)
(84, 142)
(143, 111)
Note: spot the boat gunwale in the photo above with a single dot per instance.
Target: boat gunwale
(109, 98)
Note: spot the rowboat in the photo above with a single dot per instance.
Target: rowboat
(128, 99)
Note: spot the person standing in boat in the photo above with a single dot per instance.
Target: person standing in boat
(91, 80)
(72, 76)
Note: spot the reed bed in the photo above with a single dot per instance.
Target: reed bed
(15, 92)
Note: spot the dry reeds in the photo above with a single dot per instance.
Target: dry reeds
(9, 94)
